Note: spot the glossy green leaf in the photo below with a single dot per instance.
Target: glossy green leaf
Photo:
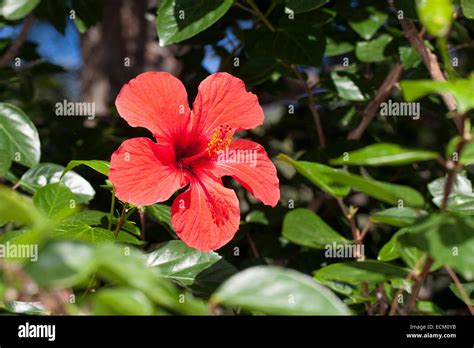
(99, 166)
(55, 201)
(368, 26)
(18, 135)
(303, 227)
(301, 6)
(204, 271)
(448, 238)
(5, 161)
(373, 51)
(48, 173)
(160, 213)
(17, 9)
(460, 89)
(23, 307)
(72, 229)
(320, 175)
(383, 154)
(178, 20)
(346, 88)
(399, 217)
(278, 291)
(409, 56)
(356, 272)
(121, 301)
(324, 177)
(461, 197)
(435, 15)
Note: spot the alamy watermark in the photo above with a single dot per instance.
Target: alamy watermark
(397, 109)
(344, 251)
(68, 108)
(20, 251)
(238, 156)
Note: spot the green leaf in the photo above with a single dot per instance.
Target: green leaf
(389, 251)
(278, 291)
(399, 217)
(320, 175)
(19, 135)
(99, 166)
(126, 266)
(383, 154)
(468, 8)
(162, 214)
(88, 13)
(373, 51)
(336, 48)
(48, 173)
(356, 272)
(301, 45)
(204, 271)
(179, 20)
(460, 89)
(448, 238)
(409, 56)
(301, 6)
(435, 15)
(5, 161)
(256, 217)
(72, 229)
(346, 88)
(369, 25)
(17, 9)
(303, 227)
(15, 207)
(467, 153)
(21, 307)
(55, 201)
(468, 287)
(461, 197)
(62, 264)
(121, 301)
(324, 177)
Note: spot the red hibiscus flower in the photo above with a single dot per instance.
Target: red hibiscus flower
(195, 148)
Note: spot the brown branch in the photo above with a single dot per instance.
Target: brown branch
(312, 108)
(412, 275)
(430, 61)
(14, 48)
(418, 283)
(383, 93)
(461, 289)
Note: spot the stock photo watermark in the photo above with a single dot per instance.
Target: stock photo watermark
(400, 109)
(19, 251)
(81, 109)
(238, 156)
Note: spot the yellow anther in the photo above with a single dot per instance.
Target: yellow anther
(220, 140)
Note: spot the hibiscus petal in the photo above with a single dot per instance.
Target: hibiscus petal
(223, 100)
(157, 101)
(207, 215)
(248, 163)
(144, 172)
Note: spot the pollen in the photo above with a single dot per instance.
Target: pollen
(220, 140)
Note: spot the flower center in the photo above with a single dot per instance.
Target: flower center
(220, 140)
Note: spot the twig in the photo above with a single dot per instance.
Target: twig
(418, 283)
(461, 289)
(260, 15)
(383, 93)
(408, 278)
(14, 48)
(429, 59)
(253, 246)
(141, 212)
(121, 221)
(350, 218)
(312, 108)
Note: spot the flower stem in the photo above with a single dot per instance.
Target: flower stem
(260, 15)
